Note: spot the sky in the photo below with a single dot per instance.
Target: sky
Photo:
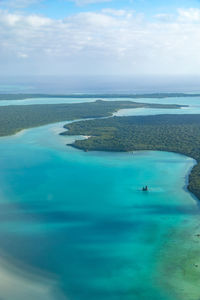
(99, 37)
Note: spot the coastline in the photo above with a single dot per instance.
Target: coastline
(169, 133)
(188, 175)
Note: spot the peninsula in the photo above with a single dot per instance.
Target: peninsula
(172, 133)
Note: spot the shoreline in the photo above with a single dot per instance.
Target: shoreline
(187, 176)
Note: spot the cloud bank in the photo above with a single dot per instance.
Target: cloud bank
(107, 42)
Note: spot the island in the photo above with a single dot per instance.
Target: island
(14, 118)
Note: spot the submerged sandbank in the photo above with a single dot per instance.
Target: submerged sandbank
(20, 284)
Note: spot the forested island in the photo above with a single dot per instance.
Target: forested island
(173, 133)
(17, 117)
(109, 96)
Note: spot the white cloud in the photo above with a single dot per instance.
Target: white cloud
(189, 15)
(106, 42)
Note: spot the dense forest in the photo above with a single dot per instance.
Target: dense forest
(17, 117)
(174, 133)
(130, 96)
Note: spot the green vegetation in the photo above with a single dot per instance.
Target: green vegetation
(173, 133)
(130, 96)
(17, 117)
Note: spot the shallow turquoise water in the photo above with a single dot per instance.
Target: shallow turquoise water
(82, 216)
(192, 102)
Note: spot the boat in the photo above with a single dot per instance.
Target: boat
(145, 189)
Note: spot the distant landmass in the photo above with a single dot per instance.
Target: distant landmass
(109, 95)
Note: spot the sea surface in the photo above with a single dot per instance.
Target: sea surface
(103, 84)
(76, 225)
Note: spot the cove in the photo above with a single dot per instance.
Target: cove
(82, 219)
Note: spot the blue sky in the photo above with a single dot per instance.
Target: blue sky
(62, 8)
(99, 37)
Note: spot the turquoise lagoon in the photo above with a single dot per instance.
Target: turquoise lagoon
(78, 225)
